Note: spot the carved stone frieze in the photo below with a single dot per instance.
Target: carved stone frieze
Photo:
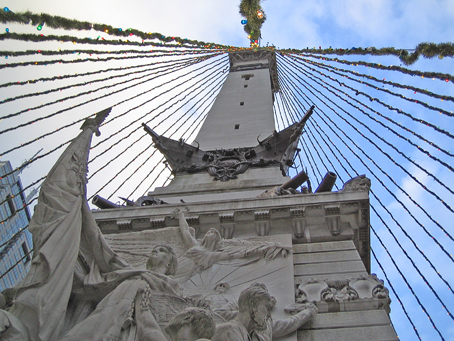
(226, 164)
(299, 227)
(337, 295)
(334, 224)
(226, 218)
(262, 215)
(332, 210)
(349, 205)
(368, 287)
(124, 224)
(359, 183)
(262, 227)
(157, 223)
(227, 230)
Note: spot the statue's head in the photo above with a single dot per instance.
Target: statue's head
(191, 324)
(257, 302)
(212, 239)
(222, 287)
(163, 256)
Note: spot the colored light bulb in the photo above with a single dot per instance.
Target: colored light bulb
(40, 27)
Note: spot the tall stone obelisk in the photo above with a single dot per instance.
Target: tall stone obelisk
(232, 178)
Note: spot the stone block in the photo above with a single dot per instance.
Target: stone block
(379, 333)
(323, 247)
(349, 319)
(329, 268)
(324, 257)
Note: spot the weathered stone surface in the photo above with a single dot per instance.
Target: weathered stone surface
(360, 333)
(324, 257)
(323, 247)
(329, 268)
(348, 319)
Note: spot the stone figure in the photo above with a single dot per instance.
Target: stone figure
(77, 287)
(221, 298)
(213, 249)
(254, 321)
(359, 183)
(191, 324)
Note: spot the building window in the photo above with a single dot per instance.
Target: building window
(241, 103)
(11, 204)
(237, 126)
(248, 76)
(245, 85)
(25, 249)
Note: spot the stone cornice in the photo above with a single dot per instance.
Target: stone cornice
(243, 60)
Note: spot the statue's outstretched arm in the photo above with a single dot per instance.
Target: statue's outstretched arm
(189, 240)
(286, 326)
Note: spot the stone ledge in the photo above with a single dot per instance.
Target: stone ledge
(324, 247)
(382, 333)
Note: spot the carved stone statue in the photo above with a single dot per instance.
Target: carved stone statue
(191, 324)
(213, 249)
(359, 183)
(77, 287)
(254, 320)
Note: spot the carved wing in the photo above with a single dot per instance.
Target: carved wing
(252, 249)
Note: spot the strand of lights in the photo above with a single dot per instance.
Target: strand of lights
(71, 24)
(46, 79)
(73, 61)
(101, 41)
(180, 118)
(135, 130)
(386, 142)
(40, 93)
(138, 128)
(209, 68)
(395, 123)
(445, 77)
(382, 81)
(395, 294)
(411, 100)
(173, 67)
(392, 180)
(397, 110)
(75, 122)
(163, 52)
(147, 148)
(428, 50)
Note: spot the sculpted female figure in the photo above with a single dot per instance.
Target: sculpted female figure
(213, 249)
(77, 287)
(124, 313)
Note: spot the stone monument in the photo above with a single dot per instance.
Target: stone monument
(230, 250)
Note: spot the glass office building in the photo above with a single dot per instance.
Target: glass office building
(15, 239)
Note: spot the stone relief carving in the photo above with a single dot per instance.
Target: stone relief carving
(76, 271)
(349, 290)
(359, 183)
(225, 165)
(213, 249)
(253, 320)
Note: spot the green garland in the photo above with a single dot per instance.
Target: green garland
(69, 24)
(428, 74)
(71, 52)
(102, 41)
(427, 50)
(249, 10)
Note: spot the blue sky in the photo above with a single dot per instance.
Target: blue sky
(296, 24)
